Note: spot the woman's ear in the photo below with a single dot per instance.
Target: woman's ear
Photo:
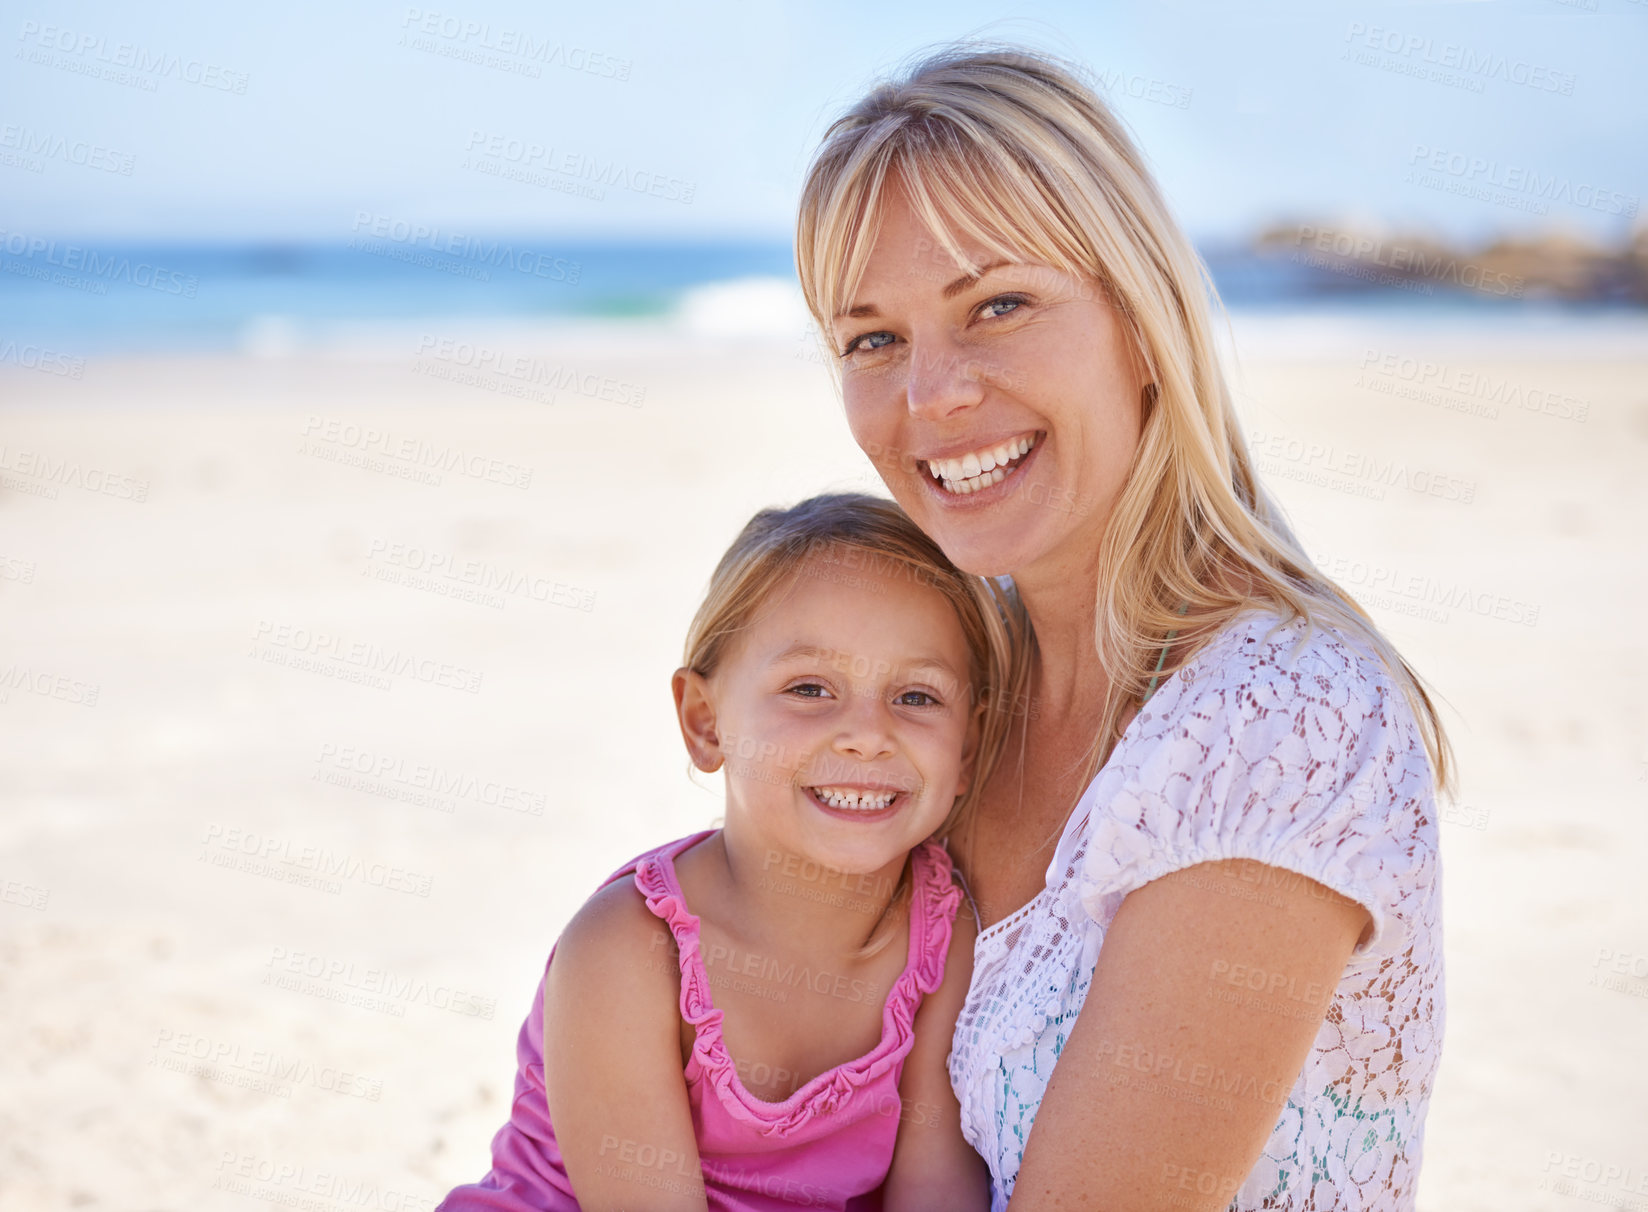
(695, 712)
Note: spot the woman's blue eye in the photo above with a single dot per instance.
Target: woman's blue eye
(1008, 302)
(868, 341)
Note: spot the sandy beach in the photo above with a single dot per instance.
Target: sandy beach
(335, 679)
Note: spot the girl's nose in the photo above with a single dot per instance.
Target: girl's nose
(864, 732)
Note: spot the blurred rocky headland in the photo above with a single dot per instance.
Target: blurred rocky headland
(1324, 258)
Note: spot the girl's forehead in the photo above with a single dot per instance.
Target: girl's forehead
(845, 588)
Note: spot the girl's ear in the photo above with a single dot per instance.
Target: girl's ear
(695, 712)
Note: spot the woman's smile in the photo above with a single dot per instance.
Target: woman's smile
(981, 468)
(1005, 405)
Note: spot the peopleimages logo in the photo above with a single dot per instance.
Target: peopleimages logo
(44, 474)
(121, 62)
(535, 163)
(407, 240)
(1427, 266)
(480, 43)
(106, 267)
(49, 146)
(1478, 176)
(38, 357)
(1451, 62)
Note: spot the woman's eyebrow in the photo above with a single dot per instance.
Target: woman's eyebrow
(866, 311)
(966, 280)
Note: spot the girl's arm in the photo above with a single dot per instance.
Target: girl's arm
(1120, 1126)
(933, 1165)
(612, 1060)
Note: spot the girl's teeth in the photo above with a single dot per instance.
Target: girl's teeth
(861, 801)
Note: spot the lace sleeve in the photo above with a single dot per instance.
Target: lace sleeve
(1307, 760)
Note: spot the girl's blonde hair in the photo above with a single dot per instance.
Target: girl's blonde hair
(843, 536)
(1012, 150)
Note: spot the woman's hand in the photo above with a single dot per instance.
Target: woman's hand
(1202, 1010)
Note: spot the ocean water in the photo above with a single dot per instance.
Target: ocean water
(70, 299)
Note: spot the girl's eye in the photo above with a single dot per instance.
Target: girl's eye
(869, 340)
(1005, 303)
(808, 690)
(917, 698)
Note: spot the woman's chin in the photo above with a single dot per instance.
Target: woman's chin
(983, 547)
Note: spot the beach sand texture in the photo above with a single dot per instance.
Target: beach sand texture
(248, 957)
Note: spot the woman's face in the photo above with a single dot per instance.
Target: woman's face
(1002, 411)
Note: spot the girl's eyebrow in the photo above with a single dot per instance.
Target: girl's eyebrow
(811, 652)
(865, 311)
(804, 652)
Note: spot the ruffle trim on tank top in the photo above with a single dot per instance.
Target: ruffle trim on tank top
(933, 903)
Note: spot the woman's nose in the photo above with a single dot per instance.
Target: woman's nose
(942, 378)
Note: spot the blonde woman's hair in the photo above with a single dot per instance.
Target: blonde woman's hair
(844, 536)
(1010, 149)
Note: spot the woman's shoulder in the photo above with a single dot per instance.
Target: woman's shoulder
(1267, 638)
(1282, 700)
(1268, 664)
(1287, 743)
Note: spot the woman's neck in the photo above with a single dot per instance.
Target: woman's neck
(1062, 602)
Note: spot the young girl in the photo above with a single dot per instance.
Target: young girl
(758, 1016)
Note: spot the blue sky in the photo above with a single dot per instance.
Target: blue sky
(1251, 113)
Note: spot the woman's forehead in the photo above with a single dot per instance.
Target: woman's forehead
(932, 222)
(944, 249)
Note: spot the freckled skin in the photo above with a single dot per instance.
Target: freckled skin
(1029, 349)
(1026, 348)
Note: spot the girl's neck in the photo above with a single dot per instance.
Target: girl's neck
(772, 893)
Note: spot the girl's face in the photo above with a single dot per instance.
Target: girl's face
(1002, 411)
(844, 715)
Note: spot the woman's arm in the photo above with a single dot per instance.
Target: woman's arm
(1195, 993)
(933, 1165)
(612, 1060)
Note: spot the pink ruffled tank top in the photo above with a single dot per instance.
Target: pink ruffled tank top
(827, 1146)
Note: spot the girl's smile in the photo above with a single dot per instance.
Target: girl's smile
(844, 716)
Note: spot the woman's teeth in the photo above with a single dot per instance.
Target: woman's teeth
(857, 801)
(980, 468)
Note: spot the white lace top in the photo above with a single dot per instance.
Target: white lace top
(1303, 756)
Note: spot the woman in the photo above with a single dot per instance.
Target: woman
(1209, 971)
(1206, 874)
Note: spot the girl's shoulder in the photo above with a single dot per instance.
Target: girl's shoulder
(624, 939)
(616, 946)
